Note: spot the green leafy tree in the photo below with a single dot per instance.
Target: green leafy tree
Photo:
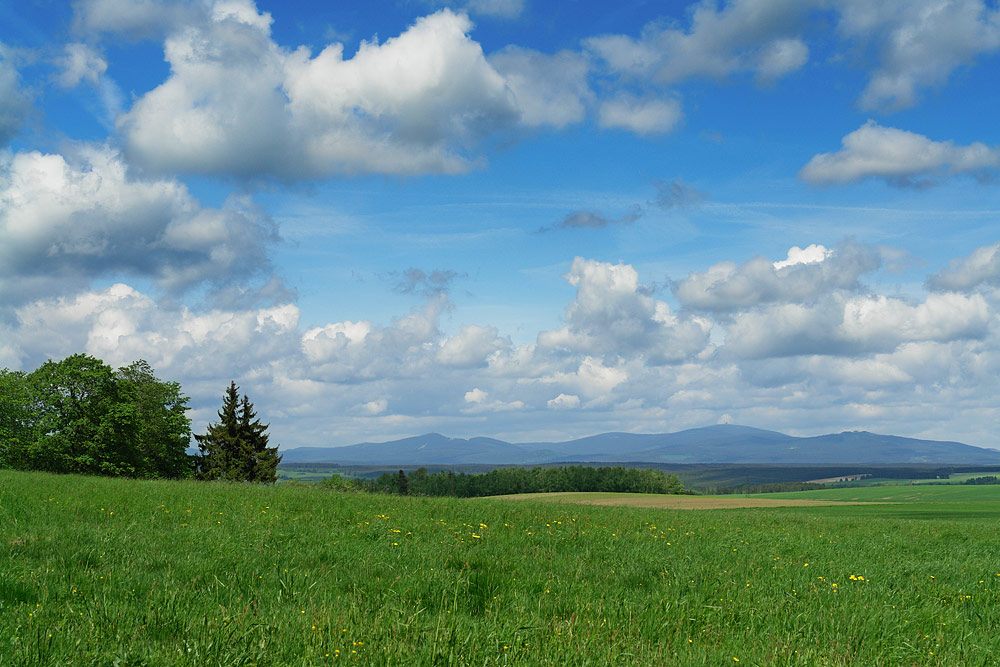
(73, 403)
(235, 448)
(17, 430)
(78, 415)
(160, 430)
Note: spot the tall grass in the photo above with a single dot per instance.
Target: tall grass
(116, 572)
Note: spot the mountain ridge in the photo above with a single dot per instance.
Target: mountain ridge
(721, 443)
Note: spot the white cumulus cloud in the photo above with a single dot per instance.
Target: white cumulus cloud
(846, 326)
(804, 275)
(897, 156)
(548, 89)
(756, 36)
(982, 266)
(419, 102)
(918, 43)
(564, 402)
(613, 315)
(65, 222)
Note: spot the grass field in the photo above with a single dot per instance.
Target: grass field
(671, 502)
(945, 493)
(953, 478)
(117, 572)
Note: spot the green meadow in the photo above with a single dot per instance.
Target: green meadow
(98, 571)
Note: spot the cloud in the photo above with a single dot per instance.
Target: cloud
(472, 347)
(755, 36)
(918, 43)
(417, 103)
(676, 194)
(804, 275)
(417, 281)
(375, 407)
(643, 116)
(594, 220)
(907, 45)
(812, 254)
(502, 8)
(669, 195)
(80, 62)
(136, 20)
(613, 316)
(478, 402)
(549, 89)
(840, 325)
(120, 324)
(564, 402)
(898, 157)
(14, 101)
(981, 267)
(64, 223)
(353, 352)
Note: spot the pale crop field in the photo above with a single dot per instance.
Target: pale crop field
(117, 572)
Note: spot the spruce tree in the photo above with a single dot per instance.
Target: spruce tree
(260, 461)
(220, 444)
(235, 448)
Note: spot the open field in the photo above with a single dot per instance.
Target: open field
(953, 478)
(660, 501)
(945, 493)
(116, 572)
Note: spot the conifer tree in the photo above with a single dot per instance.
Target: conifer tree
(235, 448)
(261, 461)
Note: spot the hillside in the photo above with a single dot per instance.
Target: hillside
(724, 443)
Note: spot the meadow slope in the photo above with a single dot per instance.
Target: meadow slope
(117, 572)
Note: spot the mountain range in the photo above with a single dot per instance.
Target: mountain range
(723, 443)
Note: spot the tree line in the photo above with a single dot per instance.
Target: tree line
(771, 487)
(977, 481)
(505, 481)
(79, 415)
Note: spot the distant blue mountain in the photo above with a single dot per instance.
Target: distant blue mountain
(724, 443)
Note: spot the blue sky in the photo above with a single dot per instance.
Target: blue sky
(511, 218)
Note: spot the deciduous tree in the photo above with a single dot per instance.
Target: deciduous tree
(78, 415)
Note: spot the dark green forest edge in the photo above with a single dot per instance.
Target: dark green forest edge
(81, 416)
(506, 481)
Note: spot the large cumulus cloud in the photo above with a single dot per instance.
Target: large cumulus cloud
(66, 221)
(419, 102)
(614, 315)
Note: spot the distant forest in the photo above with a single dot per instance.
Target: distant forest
(505, 481)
